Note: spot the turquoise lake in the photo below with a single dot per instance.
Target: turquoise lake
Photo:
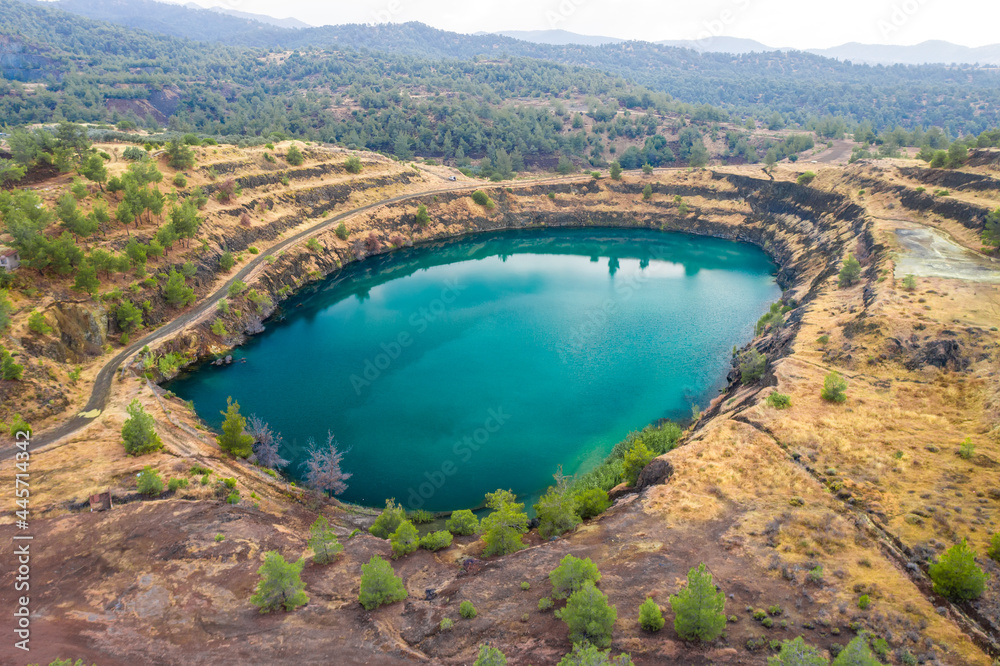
(450, 370)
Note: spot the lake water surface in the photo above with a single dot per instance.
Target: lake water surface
(451, 370)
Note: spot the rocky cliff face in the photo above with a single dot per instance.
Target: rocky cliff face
(81, 331)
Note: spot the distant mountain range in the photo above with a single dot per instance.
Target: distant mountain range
(292, 23)
(234, 27)
(930, 52)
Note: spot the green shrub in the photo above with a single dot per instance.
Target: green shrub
(615, 171)
(556, 510)
(850, 271)
(636, 458)
(779, 400)
(490, 656)
(236, 288)
(805, 178)
(149, 482)
(234, 438)
(463, 523)
(422, 218)
(219, 538)
(176, 484)
(833, 388)
(294, 156)
(313, 245)
(280, 584)
(864, 601)
(379, 584)
(699, 610)
(584, 654)
(352, 164)
(420, 517)
(650, 616)
(525, 585)
(502, 529)
(752, 366)
(467, 610)
(545, 603)
(341, 231)
(592, 502)
(446, 624)
(647, 192)
(37, 323)
(482, 199)
(219, 328)
(956, 575)
(180, 180)
(571, 574)
(436, 540)
(967, 449)
(856, 653)
(589, 616)
(909, 283)
(993, 552)
(797, 653)
(389, 520)
(233, 497)
(404, 539)
(815, 575)
(138, 434)
(323, 541)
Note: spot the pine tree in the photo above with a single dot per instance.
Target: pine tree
(571, 574)
(490, 656)
(797, 653)
(698, 608)
(589, 617)
(615, 170)
(86, 279)
(557, 509)
(850, 271)
(404, 540)
(280, 584)
(234, 438)
(323, 542)
(956, 575)
(856, 653)
(584, 654)
(138, 434)
(387, 522)
(176, 291)
(379, 584)
(462, 523)
(502, 529)
(650, 616)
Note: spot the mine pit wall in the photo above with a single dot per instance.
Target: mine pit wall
(804, 230)
(968, 215)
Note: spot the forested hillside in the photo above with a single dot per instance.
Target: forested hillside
(798, 85)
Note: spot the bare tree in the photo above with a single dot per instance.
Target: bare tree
(323, 471)
(266, 443)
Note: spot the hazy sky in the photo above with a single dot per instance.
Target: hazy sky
(793, 23)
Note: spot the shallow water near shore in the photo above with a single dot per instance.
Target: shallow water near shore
(451, 370)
